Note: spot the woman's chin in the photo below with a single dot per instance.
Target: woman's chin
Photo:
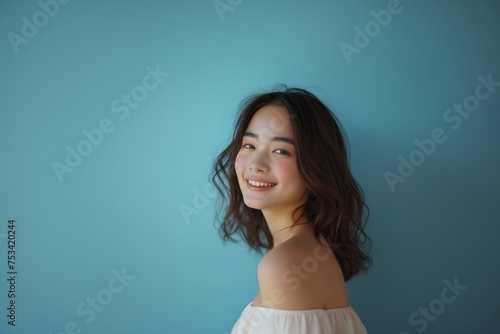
(254, 204)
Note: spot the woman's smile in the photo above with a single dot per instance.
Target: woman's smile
(259, 186)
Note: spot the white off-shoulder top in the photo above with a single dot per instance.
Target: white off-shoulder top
(264, 320)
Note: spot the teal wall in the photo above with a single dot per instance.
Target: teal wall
(121, 238)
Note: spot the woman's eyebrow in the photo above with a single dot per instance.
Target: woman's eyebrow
(282, 139)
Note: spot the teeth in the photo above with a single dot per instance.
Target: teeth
(260, 184)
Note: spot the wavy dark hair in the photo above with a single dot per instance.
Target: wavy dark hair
(335, 202)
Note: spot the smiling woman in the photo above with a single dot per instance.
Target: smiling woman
(286, 178)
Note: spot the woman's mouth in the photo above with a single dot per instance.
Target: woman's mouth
(256, 185)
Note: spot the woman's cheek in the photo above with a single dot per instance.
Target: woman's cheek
(285, 170)
(239, 163)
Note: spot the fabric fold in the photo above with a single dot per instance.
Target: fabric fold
(263, 320)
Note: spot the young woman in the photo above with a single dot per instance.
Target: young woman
(288, 190)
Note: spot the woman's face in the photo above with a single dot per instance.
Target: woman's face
(266, 164)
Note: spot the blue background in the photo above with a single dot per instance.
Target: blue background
(121, 206)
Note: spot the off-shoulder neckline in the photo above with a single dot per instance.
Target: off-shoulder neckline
(269, 309)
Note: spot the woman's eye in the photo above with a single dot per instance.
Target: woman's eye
(250, 147)
(281, 152)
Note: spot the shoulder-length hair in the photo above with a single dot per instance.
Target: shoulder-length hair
(335, 203)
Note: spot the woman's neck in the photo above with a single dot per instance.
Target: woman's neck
(280, 225)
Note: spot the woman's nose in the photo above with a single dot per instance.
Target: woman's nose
(259, 162)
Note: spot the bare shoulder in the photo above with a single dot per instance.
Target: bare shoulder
(301, 274)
